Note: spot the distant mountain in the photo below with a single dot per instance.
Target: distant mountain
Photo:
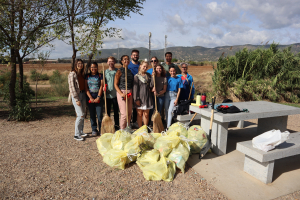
(196, 53)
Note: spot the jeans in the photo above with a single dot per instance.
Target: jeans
(79, 123)
(113, 102)
(160, 104)
(170, 98)
(95, 108)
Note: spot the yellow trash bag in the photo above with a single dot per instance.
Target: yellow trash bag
(180, 155)
(156, 135)
(104, 143)
(173, 133)
(143, 131)
(120, 139)
(165, 144)
(147, 158)
(164, 169)
(116, 158)
(179, 127)
(133, 147)
(197, 133)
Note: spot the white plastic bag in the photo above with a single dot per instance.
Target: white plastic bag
(270, 139)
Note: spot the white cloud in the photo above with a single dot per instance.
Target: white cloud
(272, 14)
(175, 23)
(217, 31)
(230, 38)
(215, 13)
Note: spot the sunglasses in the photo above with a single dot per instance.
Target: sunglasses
(153, 61)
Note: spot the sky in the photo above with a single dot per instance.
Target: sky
(204, 23)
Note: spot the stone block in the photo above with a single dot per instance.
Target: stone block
(263, 171)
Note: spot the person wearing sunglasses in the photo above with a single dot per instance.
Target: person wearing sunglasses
(187, 81)
(154, 62)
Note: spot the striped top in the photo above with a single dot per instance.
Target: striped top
(129, 79)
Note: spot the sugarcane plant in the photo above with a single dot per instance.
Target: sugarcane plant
(271, 74)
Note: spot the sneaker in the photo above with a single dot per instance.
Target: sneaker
(94, 133)
(135, 125)
(79, 138)
(83, 134)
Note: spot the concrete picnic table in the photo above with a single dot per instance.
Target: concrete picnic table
(270, 116)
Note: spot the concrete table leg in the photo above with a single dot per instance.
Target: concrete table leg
(266, 124)
(239, 124)
(219, 134)
(261, 171)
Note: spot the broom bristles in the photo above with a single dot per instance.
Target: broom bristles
(107, 125)
(158, 126)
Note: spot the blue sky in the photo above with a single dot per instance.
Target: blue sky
(205, 23)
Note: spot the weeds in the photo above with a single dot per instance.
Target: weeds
(34, 75)
(59, 83)
(259, 74)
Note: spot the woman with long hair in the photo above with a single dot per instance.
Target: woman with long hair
(94, 89)
(77, 91)
(172, 94)
(120, 87)
(142, 94)
(161, 86)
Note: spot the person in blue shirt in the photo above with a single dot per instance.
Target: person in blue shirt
(172, 94)
(187, 81)
(94, 89)
(134, 68)
(134, 63)
(153, 60)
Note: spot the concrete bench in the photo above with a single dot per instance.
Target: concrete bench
(185, 119)
(260, 164)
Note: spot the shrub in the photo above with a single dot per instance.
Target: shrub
(259, 74)
(59, 83)
(21, 111)
(34, 74)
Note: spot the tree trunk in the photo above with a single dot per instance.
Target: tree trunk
(13, 78)
(13, 59)
(21, 73)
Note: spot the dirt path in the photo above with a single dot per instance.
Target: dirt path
(41, 160)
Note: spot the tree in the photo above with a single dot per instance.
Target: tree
(174, 60)
(91, 29)
(25, 26)
(76, 11)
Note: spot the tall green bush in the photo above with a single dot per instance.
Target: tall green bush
(260, 74)
(59, 83)
(34, 75)
(21, 111)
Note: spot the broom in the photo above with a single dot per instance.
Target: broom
(158, 126)
(107, 125)
(128, 129)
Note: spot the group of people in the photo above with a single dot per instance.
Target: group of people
(172, 84)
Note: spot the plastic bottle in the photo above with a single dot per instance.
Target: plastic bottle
(203, 99)
(198, 99)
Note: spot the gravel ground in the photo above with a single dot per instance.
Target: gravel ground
(41, 160)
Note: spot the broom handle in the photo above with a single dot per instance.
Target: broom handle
(126, 94)
(154, 87)
(105, 89)
(191, 91)
(212, 114)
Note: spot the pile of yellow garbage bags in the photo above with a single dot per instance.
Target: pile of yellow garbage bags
(156, 154)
